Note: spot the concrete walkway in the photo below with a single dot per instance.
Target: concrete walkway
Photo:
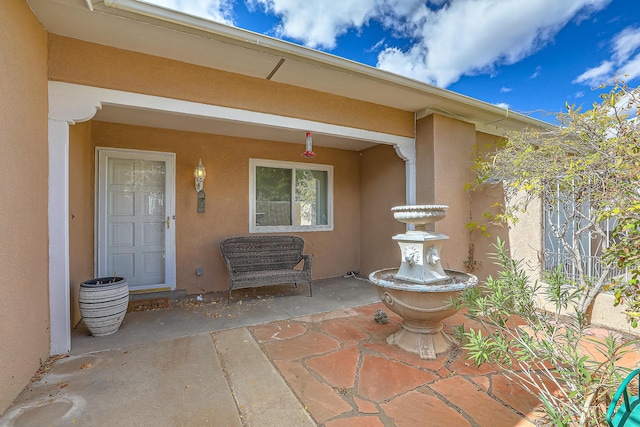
(169, 367)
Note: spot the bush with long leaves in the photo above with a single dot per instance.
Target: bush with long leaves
(542, 350)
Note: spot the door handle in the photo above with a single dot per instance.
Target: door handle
(168, 222)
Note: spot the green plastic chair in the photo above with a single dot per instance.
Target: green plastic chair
(628, 414)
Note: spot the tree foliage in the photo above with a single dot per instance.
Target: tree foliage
(625, 254)
(586, 171)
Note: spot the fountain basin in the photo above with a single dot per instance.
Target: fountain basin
(419, 215)
(423, 307)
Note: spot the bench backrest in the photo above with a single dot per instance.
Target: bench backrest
(256, 253)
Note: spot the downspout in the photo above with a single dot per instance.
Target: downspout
(407, 152)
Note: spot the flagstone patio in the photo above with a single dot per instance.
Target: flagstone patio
(340, 367)
(345, 374)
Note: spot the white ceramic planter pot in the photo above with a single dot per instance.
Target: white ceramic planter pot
(103, 304)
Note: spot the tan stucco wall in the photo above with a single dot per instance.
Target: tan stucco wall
(444, 157)
(483, 200)
(81, 211)
(425, 166)
(227, 204)
(383, 176)
(90, 64)
(526, 238)
(24, 260)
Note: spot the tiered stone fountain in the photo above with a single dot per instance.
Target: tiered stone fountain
(420, 291)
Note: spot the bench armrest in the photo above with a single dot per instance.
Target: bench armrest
(229, 268)
(306, 267)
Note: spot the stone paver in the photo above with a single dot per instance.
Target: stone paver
(382, 378)
(311, 343)
(476, 403)
(362, 421)
(418, 409)
(343, 330)
(365, 406)
(515, 396)
(320, 399)
(396, 353)
(339, 368)
(278, 331)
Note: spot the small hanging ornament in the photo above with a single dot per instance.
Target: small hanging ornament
(309, 152)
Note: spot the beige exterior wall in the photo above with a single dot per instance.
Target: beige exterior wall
(383, 187)
(24, 259)
(227, 204)
(526, 238)
(444, 157)
(425, 165)
(81, 211)
(90, 64)
(483, 200)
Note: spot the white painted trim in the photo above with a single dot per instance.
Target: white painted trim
(407, 152)
(102, 154)
(63, 110)
(59, 302)
(98, 96)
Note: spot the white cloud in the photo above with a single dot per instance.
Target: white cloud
(595, 76)
(624, 62)
(536, 73)
(215, 10)
(316, 23)
(473, 36)
(625, 44)
(377, 45)
(505, 89)
(631, 69)
(503, 105)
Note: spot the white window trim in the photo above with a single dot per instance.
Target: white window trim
(253, 228)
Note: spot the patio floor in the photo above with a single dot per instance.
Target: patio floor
(275, 357)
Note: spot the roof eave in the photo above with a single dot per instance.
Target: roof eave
(152, 13)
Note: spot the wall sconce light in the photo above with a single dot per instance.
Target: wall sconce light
(199, 174)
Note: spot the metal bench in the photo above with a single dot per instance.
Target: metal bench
(255, 261)
(628, 413)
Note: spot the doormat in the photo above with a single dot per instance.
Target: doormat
(148, 304)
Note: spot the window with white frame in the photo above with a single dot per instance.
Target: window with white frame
(289, 196)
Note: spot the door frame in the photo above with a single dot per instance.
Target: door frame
(102, 154)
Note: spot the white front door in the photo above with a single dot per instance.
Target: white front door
(136, 227)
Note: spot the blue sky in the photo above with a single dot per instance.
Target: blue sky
(531, 56)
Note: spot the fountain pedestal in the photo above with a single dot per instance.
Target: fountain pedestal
(420, 291)
(420, 257)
